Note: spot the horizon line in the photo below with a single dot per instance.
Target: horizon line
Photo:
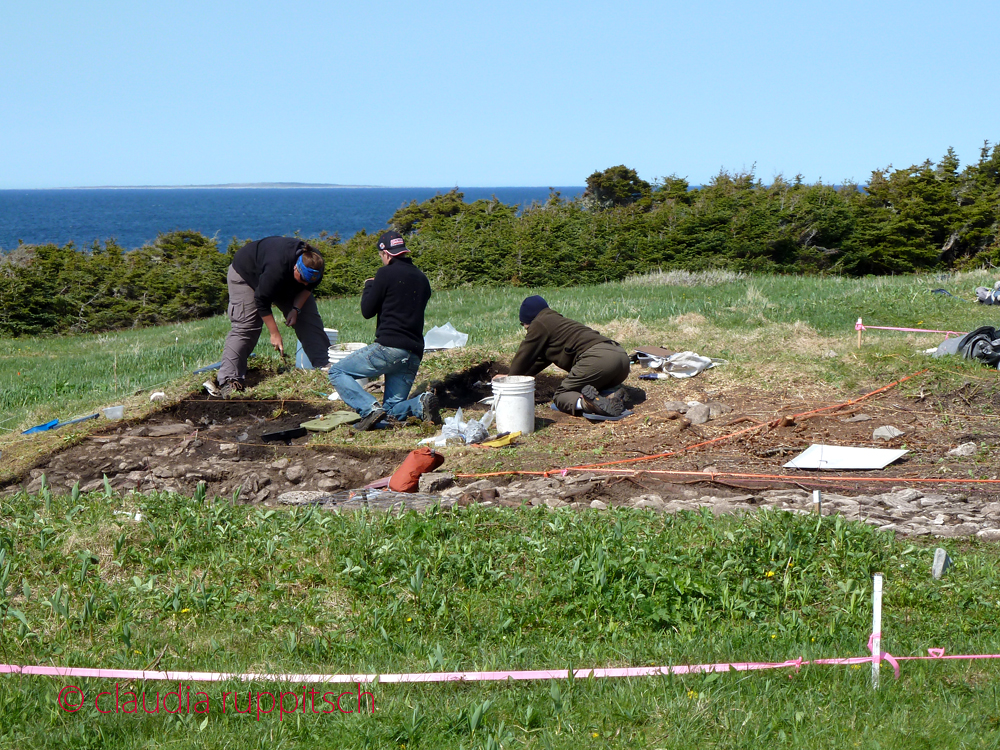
(281, 185)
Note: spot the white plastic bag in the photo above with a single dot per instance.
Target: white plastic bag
(682, 364)
(473, 431)
(445, 337)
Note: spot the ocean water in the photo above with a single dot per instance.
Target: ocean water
(135, 216)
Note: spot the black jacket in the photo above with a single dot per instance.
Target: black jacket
(398, 295)
(268, 267)
(553, 339)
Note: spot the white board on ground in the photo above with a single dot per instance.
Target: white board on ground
(841, 458)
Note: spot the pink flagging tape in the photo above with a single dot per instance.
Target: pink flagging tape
(415, 677)
(536, 674)
(859, 326)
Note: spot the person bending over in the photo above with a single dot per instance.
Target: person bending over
(398, 295)
(274, 271)
(594, 362)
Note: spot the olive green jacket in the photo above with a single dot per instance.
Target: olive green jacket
(553, 339)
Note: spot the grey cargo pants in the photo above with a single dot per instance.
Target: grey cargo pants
(247, 325)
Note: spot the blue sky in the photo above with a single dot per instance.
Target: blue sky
(487, 94)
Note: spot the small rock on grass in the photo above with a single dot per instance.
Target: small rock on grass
(887, 433)
(699, 414)
(941, 563)
(965, 449)
(598, 505)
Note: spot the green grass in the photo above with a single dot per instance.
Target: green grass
(48, 377)
(202, 584)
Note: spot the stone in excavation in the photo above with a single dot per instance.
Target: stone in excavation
(887, 433)
(699, 414)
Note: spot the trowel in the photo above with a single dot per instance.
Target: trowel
(284, 366)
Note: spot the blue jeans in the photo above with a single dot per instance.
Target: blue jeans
(400, 370)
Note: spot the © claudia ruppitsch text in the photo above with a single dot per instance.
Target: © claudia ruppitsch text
(185, 700)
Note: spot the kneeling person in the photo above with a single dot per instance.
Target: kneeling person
(398, 295)
(594, 362)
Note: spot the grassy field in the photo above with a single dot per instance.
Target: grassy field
(217, 587)
(205, 584)
(792, 319)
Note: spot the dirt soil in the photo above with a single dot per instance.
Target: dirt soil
(220, 443)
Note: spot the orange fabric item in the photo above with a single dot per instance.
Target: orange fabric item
(407, 477)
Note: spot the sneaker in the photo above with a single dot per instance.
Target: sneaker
(375, 416)
(432, 407)
(212, 388)
(595, 403)
(230, 387)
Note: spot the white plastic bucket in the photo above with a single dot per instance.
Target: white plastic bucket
(514, 403)
(341, 351)
(302, 361)
(338, 352)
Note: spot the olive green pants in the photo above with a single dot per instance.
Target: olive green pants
(603, 365)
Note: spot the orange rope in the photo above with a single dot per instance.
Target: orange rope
(792, 478)
(772, 423)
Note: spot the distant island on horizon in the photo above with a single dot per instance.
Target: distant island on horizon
(280, 185)
(222, 186)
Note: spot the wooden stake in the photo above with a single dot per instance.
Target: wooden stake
(876, 628)
(858, 326)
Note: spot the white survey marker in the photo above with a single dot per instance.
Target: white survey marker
(840, 458)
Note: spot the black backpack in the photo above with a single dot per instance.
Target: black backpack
(982, 344)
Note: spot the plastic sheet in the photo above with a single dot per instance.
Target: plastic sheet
(681, 364)
(473, 431)
(444, 337)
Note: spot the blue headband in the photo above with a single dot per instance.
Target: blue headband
(309, 275)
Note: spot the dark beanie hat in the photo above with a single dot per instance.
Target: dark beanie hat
(530, 308)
